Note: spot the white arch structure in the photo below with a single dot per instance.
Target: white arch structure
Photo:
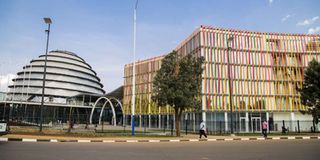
(112, 108)
(119, 103)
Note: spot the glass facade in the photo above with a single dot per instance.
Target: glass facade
(265, 70)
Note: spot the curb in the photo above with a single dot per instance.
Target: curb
(153, 141)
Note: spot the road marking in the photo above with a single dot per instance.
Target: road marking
(68, 140)
(153, 141)
(143, 140)
(184, 140)
(15, 139)
(29, 140)
(174, 140)
(43, 140)
(165, 140)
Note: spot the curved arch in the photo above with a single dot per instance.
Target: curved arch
(93, 107)
(113, 111)
(92, 110)
(119, 103)
(112, 107)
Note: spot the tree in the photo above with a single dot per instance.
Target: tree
(70, 120)
(178, 84)
(310, 91)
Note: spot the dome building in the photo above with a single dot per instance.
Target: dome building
(67, 75)
(71, 86)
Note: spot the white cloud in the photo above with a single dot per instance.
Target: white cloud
(286, 18)
(309, 21)
(315, 30)
(270, 2)
(5, 81)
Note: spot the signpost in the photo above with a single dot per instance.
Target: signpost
(3, 128)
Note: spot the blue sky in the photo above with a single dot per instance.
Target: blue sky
(101, 31)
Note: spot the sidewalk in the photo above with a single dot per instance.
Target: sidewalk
(183, 138)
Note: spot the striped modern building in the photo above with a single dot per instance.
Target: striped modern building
(265, 70)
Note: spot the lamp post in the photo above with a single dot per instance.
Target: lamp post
(133, 100)
(47, 21)
(230, 39)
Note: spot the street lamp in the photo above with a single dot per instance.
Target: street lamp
(134, 69)
(230, 39)
(47, 21)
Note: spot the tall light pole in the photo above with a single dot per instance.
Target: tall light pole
(47, 21)
(230, 39)
(134, 68)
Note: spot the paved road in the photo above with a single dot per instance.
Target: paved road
(226, 150)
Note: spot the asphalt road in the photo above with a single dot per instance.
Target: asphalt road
(224, 150)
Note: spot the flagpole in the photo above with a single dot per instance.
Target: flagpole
(134, 68)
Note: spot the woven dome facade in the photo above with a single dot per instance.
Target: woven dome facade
(67, 75)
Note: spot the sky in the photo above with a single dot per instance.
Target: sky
(101, 31)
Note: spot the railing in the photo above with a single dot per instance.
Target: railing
(155, 124)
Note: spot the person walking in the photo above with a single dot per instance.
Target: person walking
(202, 130)
(264, 128)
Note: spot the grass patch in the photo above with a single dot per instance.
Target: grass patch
(84, 133)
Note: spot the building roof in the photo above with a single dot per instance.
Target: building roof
(67, 75)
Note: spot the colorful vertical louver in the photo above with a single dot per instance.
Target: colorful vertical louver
(265, 69)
